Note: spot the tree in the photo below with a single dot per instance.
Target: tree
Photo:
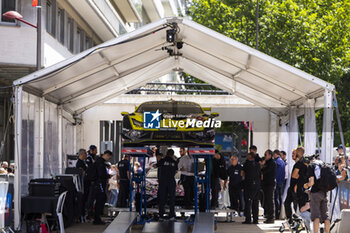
(313, 35)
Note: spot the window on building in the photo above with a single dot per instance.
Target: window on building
(5, 6)
(60, 25)
(82, 41)
(79, 35)
(88, 42)
(51, 17)
(70, 34)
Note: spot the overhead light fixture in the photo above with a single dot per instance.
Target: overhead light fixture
(179, 45)
(170, 35)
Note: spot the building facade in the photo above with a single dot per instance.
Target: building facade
(68, 27)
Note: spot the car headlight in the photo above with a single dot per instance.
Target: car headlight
(137, 123)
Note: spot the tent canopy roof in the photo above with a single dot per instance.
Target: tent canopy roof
(130, 61)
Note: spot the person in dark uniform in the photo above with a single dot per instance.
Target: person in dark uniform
(100, 185)
(124, 183)
(251, 183)
(234, 173)
(290, 198)
(218, 171)
(92, 155)
(298, 179)
(167, 184)
(81, 165)
(88, 181)
(268, 184)
(254, 149)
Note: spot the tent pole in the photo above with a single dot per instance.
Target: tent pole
(339, 124)
(18, 156)
(327, 139)
(60, 140)
(41, 136)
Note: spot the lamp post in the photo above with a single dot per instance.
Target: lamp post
(17, 16)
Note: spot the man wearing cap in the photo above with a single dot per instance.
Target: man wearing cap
(340, 150)
(92, 152)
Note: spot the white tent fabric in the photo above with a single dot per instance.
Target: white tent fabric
(327, 129)
(283, 138)
(310, 133)
(293, 136)
(117, 66)
(128, 62)
(292, 144)
(283, 144)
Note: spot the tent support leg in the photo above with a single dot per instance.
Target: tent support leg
(18, 156)
(339, 123)
(60, 140)
(327, 134)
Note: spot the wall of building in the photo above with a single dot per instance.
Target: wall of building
(17, 45)
(54, 51)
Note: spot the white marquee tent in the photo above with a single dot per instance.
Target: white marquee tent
(48, 98)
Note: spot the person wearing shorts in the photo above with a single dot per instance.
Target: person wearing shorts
(318, 199)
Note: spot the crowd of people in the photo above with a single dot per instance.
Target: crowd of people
(258, 180)
(263, 179)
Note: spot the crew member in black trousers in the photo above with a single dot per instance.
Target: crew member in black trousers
(291, 195)
(268, 184)
(167, 184)
(81, 164)
(124, 183)
(218, 172)
(251, 183)
(89, 180)
(234, 173)
(100, 186)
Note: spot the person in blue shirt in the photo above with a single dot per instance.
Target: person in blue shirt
(280, 176)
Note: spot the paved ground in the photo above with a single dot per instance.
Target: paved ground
(222, 227)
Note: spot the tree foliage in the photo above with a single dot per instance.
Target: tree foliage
(313, 35)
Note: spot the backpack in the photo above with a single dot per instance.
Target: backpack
(328, 178)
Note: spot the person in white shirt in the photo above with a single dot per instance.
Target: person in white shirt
(152, 160)
(185, 165)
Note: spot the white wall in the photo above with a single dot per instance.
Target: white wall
(259, 116)
(17, 45)
(54, 51)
